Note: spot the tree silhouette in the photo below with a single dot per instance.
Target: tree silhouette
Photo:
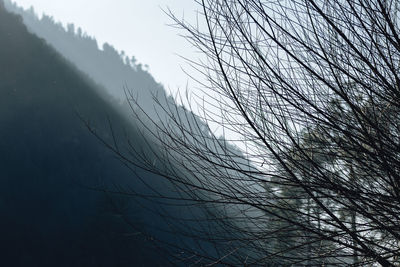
(312, 90)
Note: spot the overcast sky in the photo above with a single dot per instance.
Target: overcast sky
(136, 26)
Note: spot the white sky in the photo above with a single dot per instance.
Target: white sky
(139, 27)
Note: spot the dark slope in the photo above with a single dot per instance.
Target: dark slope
(176, 221)
(48, 159)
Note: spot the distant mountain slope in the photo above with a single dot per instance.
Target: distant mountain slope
(108, 67)
(48, 159)
(116, 74)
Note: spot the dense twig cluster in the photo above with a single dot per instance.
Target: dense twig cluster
(312, 89)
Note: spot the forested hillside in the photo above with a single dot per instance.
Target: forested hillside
(68, 199)
(75, 201)
(53, 170)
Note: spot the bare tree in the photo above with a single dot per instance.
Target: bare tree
(312, 89)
